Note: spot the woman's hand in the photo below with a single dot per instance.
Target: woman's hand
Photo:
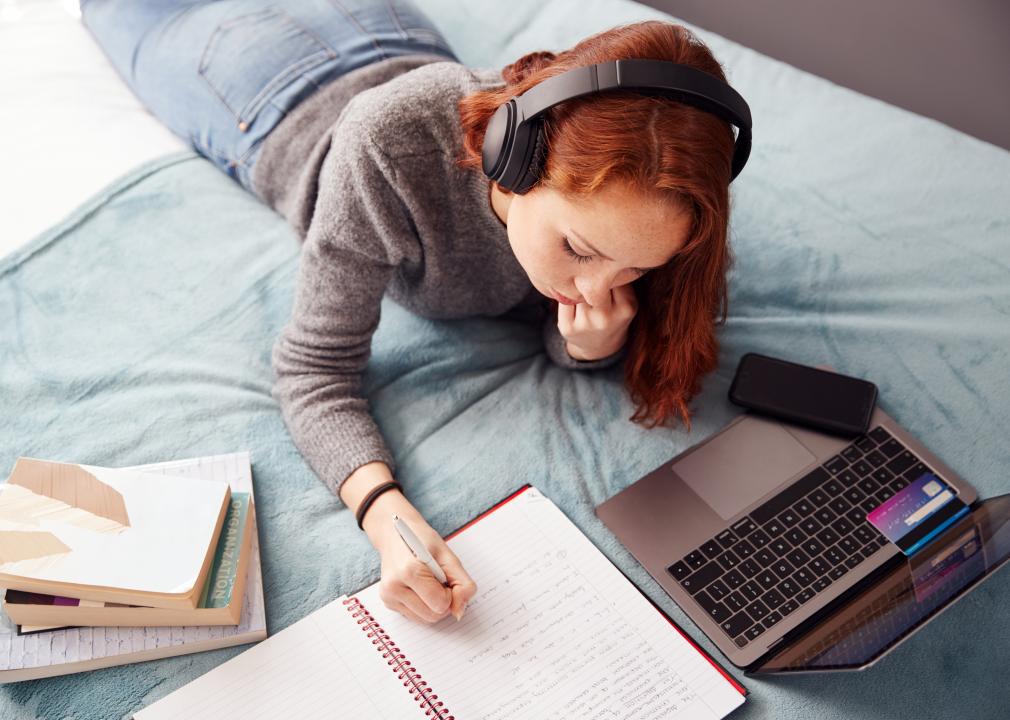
(407, 585)
(596, 332)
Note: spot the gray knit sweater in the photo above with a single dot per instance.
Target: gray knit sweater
(365, 171)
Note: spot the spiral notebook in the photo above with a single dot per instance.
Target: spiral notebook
(555, 631)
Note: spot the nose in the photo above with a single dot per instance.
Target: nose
(595, 287)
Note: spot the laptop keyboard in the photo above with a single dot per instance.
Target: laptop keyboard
(765, 566)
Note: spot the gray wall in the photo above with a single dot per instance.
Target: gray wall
(946, 59)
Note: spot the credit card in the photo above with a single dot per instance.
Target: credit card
(903, 517)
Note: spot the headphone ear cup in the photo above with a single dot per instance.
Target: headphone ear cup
(537, 161)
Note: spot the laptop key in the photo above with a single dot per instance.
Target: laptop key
(788, 606)
(750, 568)
(804, 507)
(741, 641)
(789, 518)
(701, 577)
(797, 557)
(882, 475)
(765, 557)
(773, 617)
(899, 483)
(734, 579)
(843, 526)
(766, 580)
(679, 570)
(813, 547)
(875, 459)
(783, 568)
(825, 515)
(788, 587)
(727, 538)
(853, 560)
(834, 556)
(810, 526)
(836, 464)
(737, 624)
(839, 505)
(802, 577)
(758, 539)
(818, 497)
(901, 462)
(804, 595)
(827, 536)
(780, 547)
(837, 572)
(743, 549)
(774, 528)
(751, 591)
(891, 448)
(695, 560)
(852, 453)
(821, 583)
(854, 495)
(716, 610)
(753, 632)
(773, 598)
(744, 527)
(757, 610)
(796, 536)
(885, 494)
(848, 478)
(712, 549)
(879, 434)
(857, 516)
(717, 590)
(833, 487)
(862, 468)
(848, 545)
(735, 602)
(865, 443)
(728, 560)
(864, 533)
(818, 566)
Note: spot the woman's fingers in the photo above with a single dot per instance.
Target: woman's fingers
(566, 317)
(461, 585)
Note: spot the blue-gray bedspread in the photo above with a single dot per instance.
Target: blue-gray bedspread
(866, 237)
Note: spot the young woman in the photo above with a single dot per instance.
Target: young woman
(355, 121)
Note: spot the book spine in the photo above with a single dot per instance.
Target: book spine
(405, 671)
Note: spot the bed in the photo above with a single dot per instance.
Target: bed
(140, 297)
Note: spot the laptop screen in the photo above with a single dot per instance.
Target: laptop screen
(899, 603)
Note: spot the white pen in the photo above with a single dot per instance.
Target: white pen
(418, 548)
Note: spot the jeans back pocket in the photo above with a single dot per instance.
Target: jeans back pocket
(249, 58)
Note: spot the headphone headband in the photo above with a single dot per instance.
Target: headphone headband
(513, 132)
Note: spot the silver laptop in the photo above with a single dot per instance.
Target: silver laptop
(760, 535)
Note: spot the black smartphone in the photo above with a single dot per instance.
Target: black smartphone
(834, 403)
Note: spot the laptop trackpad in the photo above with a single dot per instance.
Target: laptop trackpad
(738, 466)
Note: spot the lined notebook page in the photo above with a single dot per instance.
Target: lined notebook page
(322, 666)
(555, 631)
(58, 652)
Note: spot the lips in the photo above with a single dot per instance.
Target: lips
(563, 299)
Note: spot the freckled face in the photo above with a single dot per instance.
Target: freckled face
(582, 248)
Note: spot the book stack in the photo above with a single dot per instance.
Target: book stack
(168, 550)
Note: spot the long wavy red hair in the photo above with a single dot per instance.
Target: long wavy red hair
(671, 151)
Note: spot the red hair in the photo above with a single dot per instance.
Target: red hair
(654, 145)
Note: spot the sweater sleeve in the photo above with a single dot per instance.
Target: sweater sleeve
(357, 236)
(555, 345)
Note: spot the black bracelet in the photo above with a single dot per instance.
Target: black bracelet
(370, 498)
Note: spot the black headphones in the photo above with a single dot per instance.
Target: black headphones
(514, 150)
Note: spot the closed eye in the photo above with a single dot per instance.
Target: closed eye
(571, 252)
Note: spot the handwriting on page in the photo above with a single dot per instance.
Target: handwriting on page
(540, 641)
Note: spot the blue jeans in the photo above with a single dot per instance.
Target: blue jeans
(222, 73)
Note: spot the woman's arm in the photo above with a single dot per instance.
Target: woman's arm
(358, 234)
